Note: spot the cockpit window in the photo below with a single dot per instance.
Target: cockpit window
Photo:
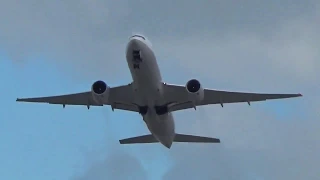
(138, 36)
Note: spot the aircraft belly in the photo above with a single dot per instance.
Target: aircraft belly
(147, 80)
(147, 83)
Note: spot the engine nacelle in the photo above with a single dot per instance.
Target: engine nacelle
(195, 90)
(100, 92)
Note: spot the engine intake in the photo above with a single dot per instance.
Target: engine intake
(193, 86)
(100, 92)
(99, 87)
(195, 90)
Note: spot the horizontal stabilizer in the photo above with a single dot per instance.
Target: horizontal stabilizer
(139, 139)
(178, 138)
(194, 139)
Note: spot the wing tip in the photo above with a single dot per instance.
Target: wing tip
(121, 141)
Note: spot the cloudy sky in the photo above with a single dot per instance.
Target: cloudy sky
(58, 47)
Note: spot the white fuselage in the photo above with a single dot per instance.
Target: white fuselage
(147, 84)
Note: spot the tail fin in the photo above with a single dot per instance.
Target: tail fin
(194, 139)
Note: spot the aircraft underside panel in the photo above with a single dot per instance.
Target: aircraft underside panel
(137, 59)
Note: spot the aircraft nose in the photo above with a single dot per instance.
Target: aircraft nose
(135, 43)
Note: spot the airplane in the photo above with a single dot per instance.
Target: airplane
(154, 99)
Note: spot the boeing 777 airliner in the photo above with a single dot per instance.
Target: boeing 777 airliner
(152, 98)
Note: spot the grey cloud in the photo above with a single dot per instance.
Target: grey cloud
(289, 53)
(77, 33)
(94, 33)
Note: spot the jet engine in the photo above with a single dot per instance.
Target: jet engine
(100, 91)
(195, 90)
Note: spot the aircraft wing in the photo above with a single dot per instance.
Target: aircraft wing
(179, 97)
(120, 97)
